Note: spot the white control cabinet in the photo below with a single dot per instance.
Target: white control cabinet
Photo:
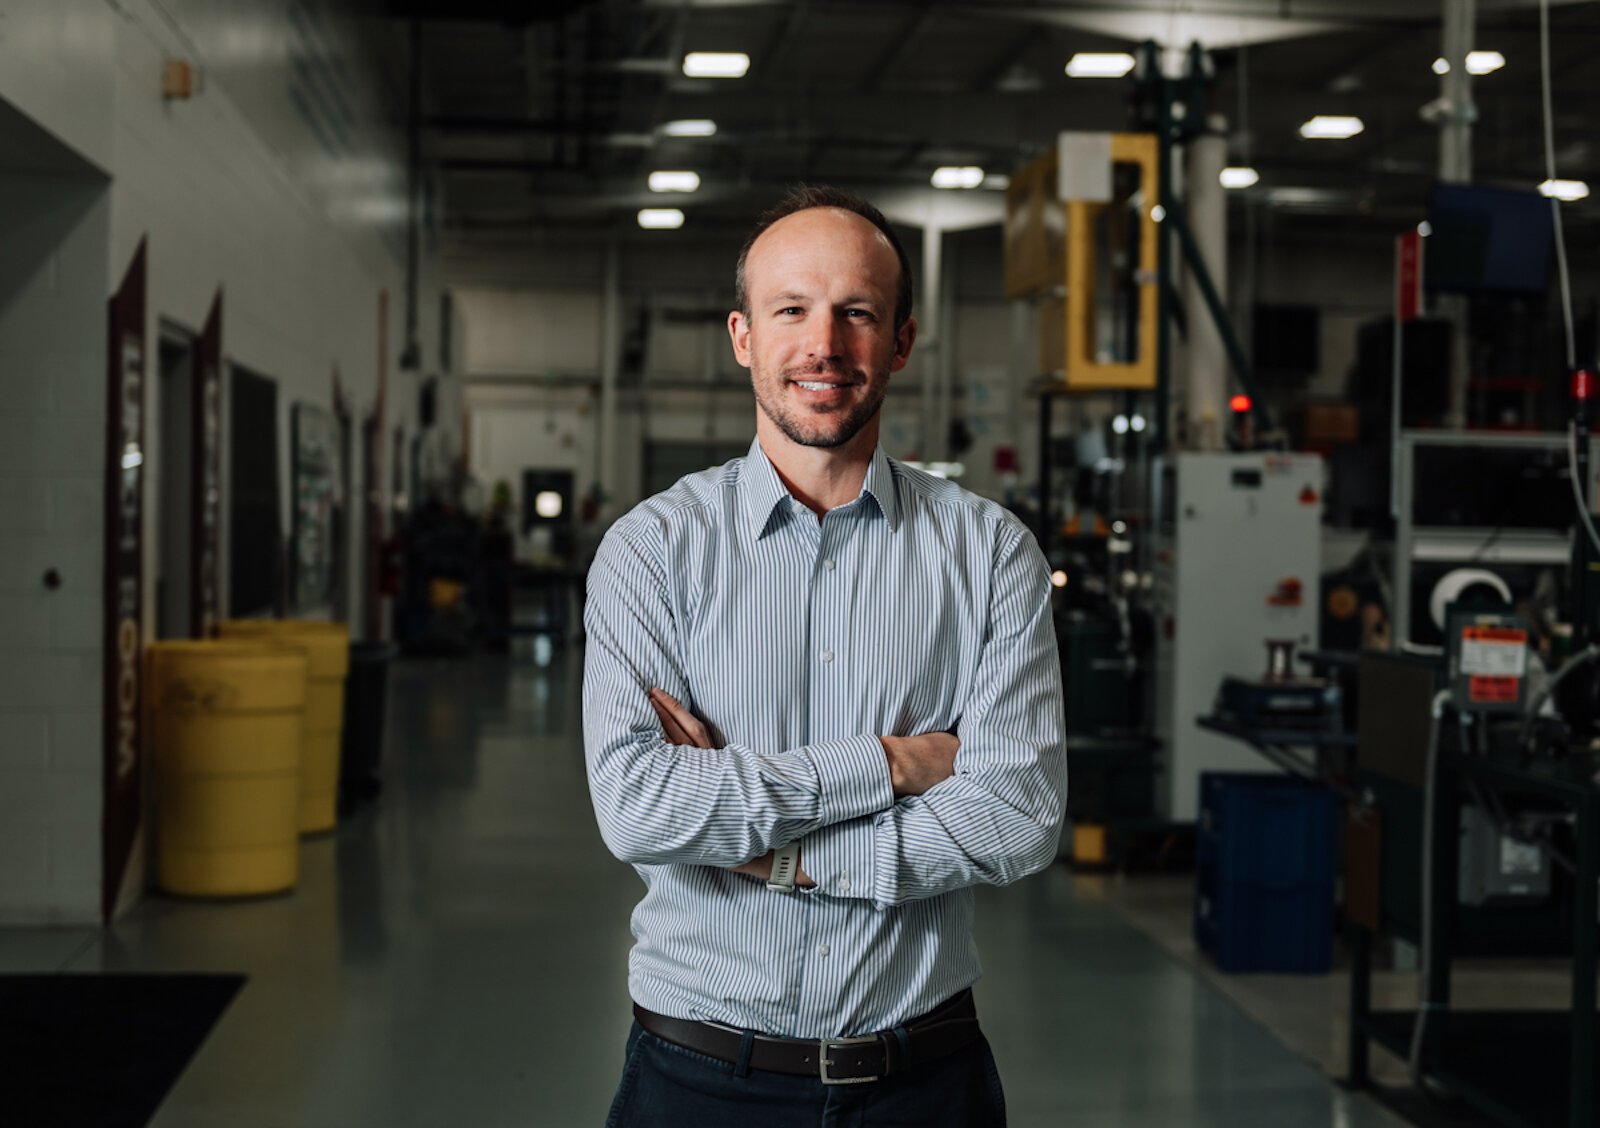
(1237, 561)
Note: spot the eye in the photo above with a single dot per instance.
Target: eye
(859, 314)
(790, 311)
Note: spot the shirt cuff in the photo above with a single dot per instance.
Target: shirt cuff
(852, 778)
(839, 858)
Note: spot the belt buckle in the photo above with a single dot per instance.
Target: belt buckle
(824, 1061)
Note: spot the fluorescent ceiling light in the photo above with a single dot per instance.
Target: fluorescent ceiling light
(1331, 127)
(660, 219)
(1484, 62)
(957, 176)
(1564, 189)
(1091, 64)
(1238, 177)
(1478, 62)
(682, 181)
(690, 127)
(716, 64)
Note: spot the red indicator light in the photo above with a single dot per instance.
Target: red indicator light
(1240, 404)
(1583, 384)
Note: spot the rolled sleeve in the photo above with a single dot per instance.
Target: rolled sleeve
(852, 778)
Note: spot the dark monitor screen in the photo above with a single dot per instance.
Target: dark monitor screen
(1286, 342)
(1487, 240)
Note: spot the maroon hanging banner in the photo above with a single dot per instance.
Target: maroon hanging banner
(124, 580)
(205, 474)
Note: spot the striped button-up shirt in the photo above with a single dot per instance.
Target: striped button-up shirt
(915, 608)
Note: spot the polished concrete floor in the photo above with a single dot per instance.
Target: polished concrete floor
(455, 956)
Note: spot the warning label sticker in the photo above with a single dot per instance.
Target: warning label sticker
(1494, 652)
(1492, 691)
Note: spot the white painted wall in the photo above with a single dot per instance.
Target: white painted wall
(290, 200)
(52, 445)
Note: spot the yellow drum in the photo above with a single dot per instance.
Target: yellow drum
(227, 721)
(327, 650)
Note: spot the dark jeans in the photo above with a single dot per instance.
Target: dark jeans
(667, 1086)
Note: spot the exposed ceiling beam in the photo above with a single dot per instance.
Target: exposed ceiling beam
(900, 40)
(1010, 55)
(775, 51)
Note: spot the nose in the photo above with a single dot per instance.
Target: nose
(826, 339)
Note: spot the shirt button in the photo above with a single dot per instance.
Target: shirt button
(844, 884)
(827, 656)
(823, 949)
(827, 565)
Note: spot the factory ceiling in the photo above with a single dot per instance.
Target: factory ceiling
(551, 116)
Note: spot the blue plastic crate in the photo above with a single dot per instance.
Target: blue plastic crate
(1264, 880)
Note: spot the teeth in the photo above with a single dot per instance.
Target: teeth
(813, 385)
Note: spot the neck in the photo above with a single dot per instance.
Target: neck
(820, 478)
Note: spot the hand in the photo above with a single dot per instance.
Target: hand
(916, 763)
(679, 725)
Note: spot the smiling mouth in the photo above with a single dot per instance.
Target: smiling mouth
(820, 385)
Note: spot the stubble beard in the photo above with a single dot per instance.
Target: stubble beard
(821, 429)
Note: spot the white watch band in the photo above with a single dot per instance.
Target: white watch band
(785, 867)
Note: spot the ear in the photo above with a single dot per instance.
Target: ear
(904, 337)
(739, 333)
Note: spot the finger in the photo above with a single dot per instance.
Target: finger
(669, 725)
(687, 722)
(697, 732)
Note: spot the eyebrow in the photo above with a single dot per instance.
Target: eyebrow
(849, 300)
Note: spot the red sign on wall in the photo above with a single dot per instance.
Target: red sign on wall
(124, 586)
(1408, 277)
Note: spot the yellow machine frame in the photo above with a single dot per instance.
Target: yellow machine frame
(1083, 371)
(1039, 259)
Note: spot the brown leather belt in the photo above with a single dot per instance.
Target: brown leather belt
(835, 1061)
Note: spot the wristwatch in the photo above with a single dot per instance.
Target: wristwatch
(785, 867)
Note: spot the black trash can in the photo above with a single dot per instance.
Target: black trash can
(361, 750)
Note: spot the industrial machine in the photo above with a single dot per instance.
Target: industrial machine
(1236, 561)
(1475, 823)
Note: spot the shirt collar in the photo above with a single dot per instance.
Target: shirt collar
(761, 491)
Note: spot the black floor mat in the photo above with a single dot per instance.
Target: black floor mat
(100, 1051)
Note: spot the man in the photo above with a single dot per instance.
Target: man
(822, 700)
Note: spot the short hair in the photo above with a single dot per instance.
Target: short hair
(804, 198)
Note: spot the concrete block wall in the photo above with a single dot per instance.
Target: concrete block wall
(52, 464)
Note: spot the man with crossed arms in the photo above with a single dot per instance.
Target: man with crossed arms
(822, 700)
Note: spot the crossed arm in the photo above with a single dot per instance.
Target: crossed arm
(881, 818)
(915, 764)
